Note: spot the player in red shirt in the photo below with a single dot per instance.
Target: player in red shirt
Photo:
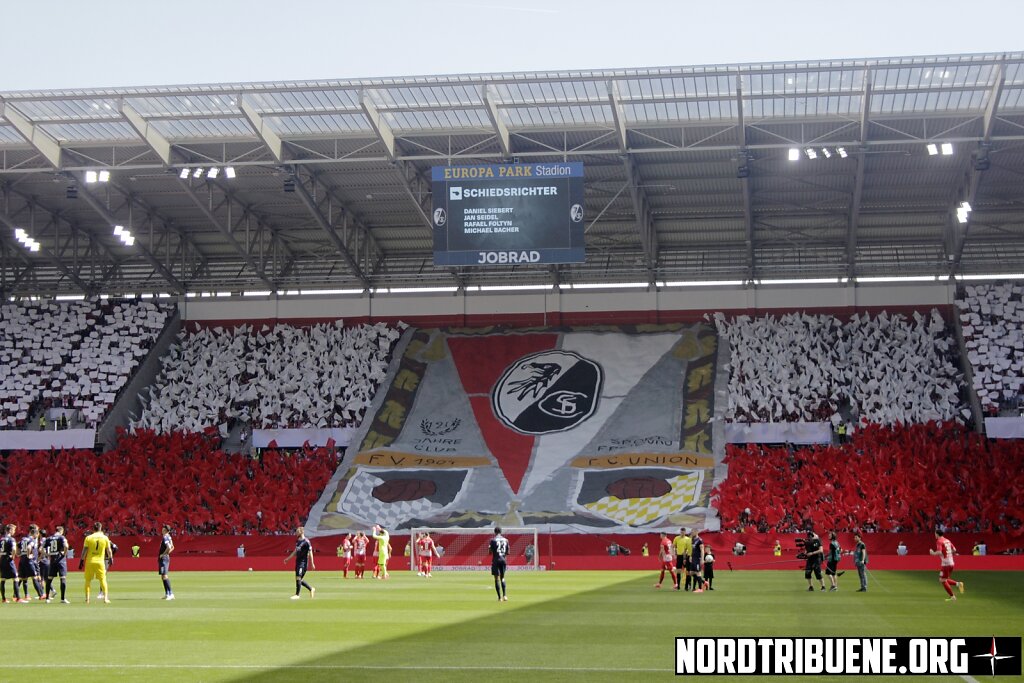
(666, 559)
(426, 552)
(359, 544)
(420, 552)
(346, 555)
(945, 550)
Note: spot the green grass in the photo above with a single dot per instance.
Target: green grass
(594, 626)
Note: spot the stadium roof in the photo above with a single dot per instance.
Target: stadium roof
(688, 175)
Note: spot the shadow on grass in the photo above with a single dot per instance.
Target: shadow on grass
(625, 631)
(601, 634)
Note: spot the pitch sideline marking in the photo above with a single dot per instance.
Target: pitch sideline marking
(331, 667)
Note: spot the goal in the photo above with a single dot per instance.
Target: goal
(466, 549)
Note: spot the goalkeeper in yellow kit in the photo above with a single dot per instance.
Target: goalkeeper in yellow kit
(95, 553)
(383, 551)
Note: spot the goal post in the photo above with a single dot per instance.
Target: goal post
(466, 549)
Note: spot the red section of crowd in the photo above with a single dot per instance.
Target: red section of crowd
(179, 479)
(904, 478)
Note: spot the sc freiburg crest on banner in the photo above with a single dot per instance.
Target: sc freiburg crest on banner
(549, 391)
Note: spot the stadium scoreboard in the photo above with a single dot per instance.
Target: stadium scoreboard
(507, 214)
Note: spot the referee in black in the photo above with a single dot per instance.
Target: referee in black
(814, 552)
(499, 550)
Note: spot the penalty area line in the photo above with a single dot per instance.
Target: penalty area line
(330, 667)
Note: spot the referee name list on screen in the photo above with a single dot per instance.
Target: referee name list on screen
(489, 220)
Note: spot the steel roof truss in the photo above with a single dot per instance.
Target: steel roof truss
(321, 220)
(43, 143)
(93, 201)
(858, 181)
(271, 140)
(205, 208)
(157, 142)
(642, 211)
(378, 124)
(494, 115)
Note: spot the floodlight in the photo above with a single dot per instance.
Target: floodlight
(213, 173)
(229, 172)
(184, 173)
(842, 152)
(104, 176)
(962, 211)
(811, 154)
(129, 240)
(34, 246)
(198, 173)
(947, 148)
(119, 230)
(794, 154)
(91, 177)
(828, 154)
(933, 149)
(20, 234)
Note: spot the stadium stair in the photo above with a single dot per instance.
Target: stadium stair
(968, 371)
(128, 403)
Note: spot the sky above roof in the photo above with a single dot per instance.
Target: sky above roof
(50, 44)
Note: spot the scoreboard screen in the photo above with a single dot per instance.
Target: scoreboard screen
(507, 214)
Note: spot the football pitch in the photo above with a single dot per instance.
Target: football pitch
(557, 626)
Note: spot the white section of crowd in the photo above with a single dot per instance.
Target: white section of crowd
(281, 377)
(75, 355)
(992, 317)
(803, 367)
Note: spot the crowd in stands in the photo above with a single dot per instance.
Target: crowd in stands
(272, 378)
(71, 355)
(181, 479)
(911, 478)
(992, 317)
(799, 367)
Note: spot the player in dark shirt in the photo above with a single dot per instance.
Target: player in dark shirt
(29, 563)
(8, 568)
(303, 555)
(814, 551)
(163, 561)
(498, 550)
(57, 551)
(694, 570)
(44, 561)
(835, 552)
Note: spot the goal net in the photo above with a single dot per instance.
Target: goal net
(466, 549)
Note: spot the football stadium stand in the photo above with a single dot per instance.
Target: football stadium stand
(182, 479)
(273, 377)
(992, 317)
(888, 369)
(910, 478)
(74, 355)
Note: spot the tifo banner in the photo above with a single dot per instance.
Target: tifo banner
(571, 430)
(297, 438)
(779, 432)
(20, 439)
